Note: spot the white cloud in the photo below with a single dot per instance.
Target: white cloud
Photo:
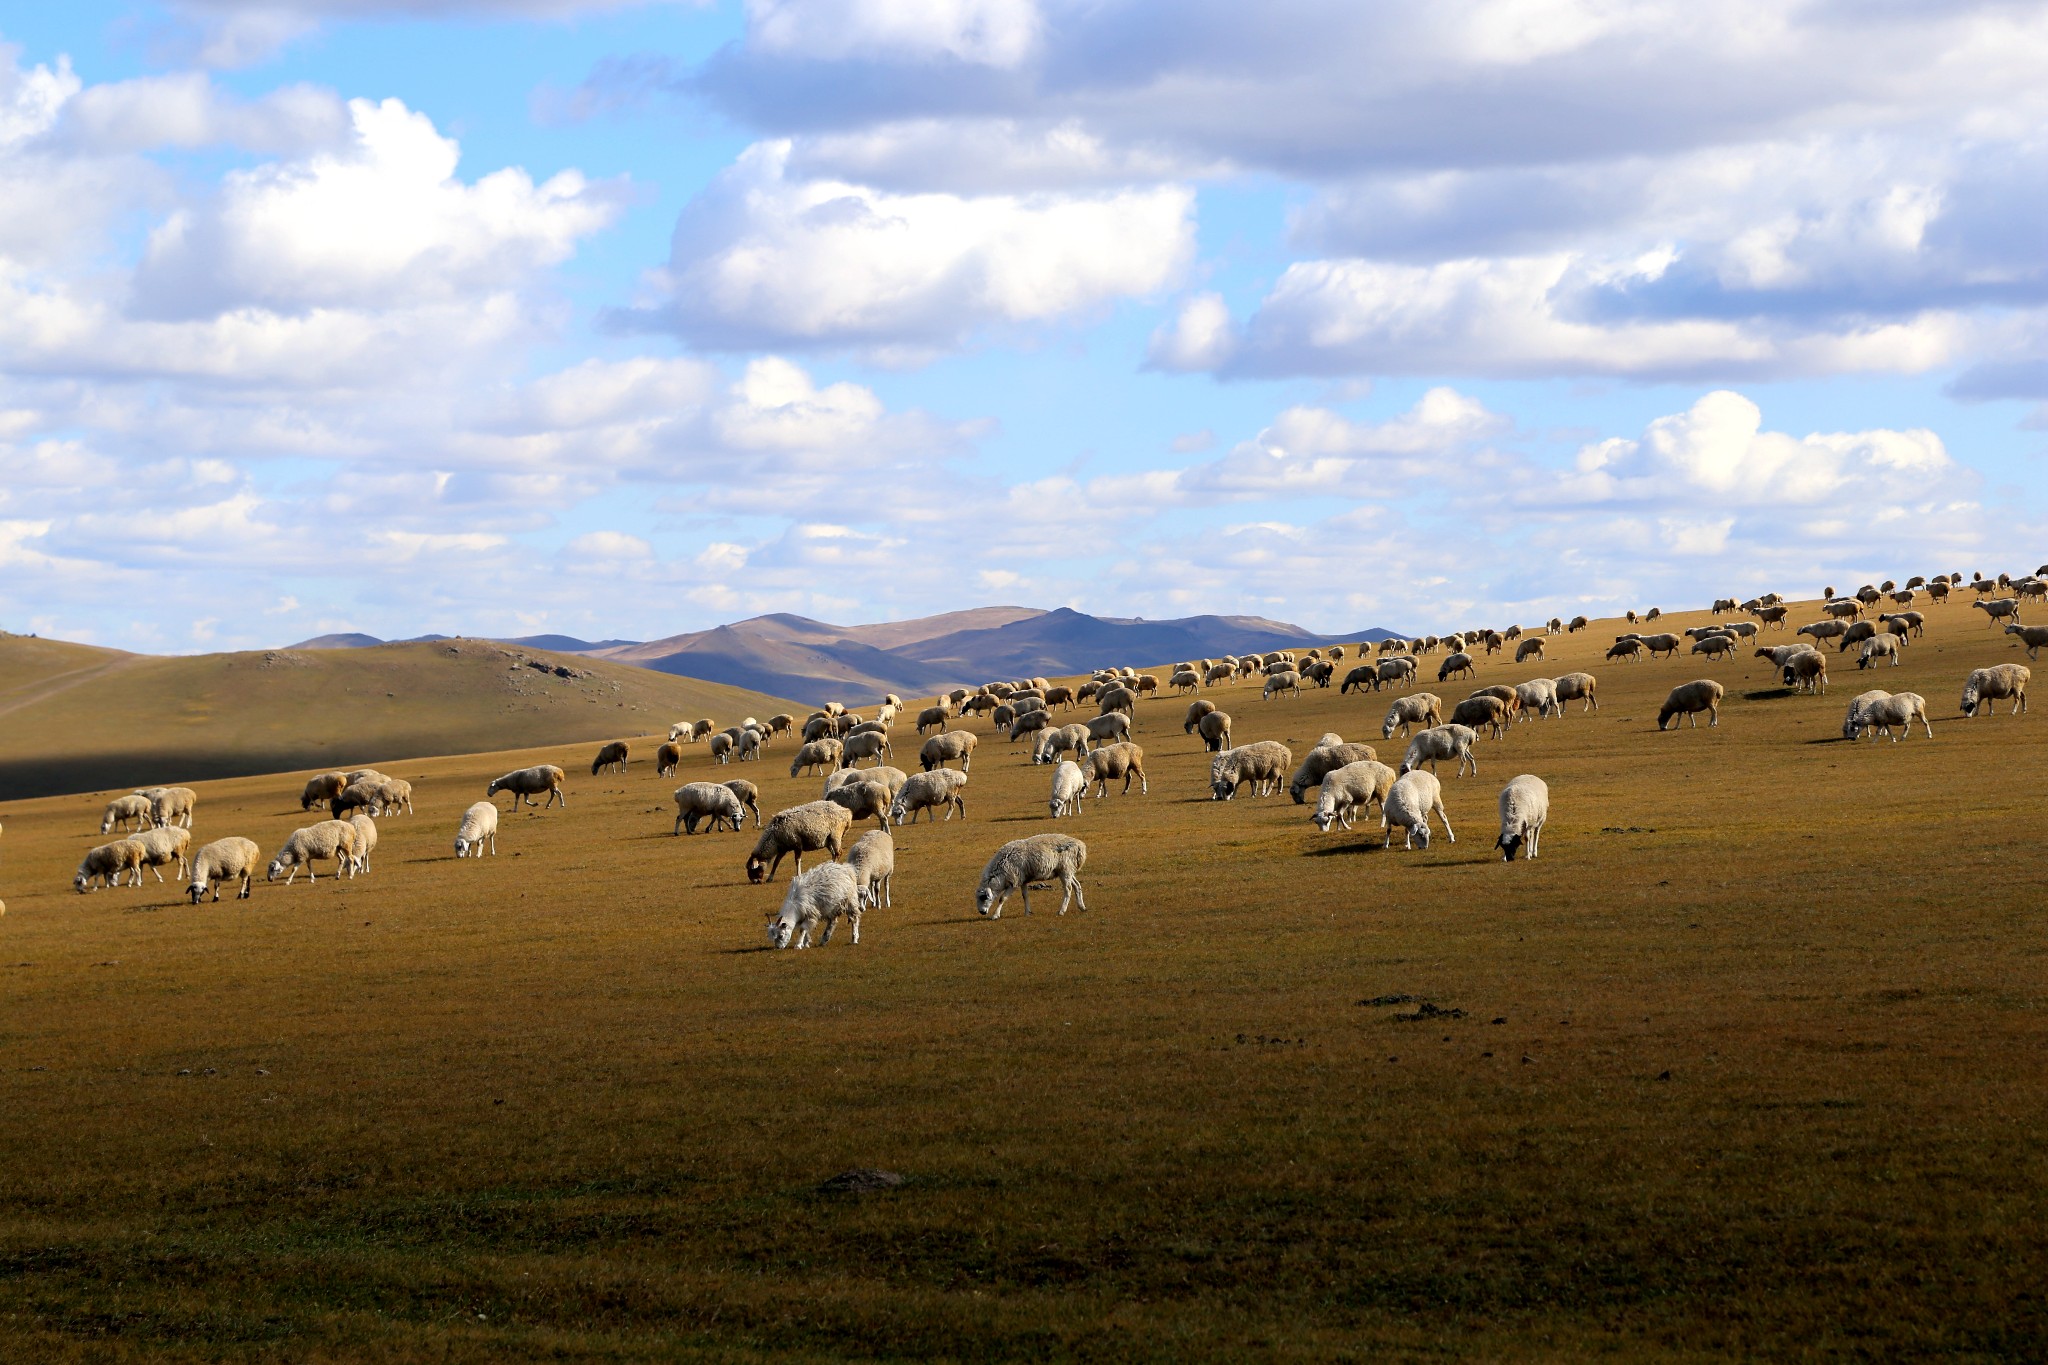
(765, 260)
(999, 33)
(383, 222)
(185, 109)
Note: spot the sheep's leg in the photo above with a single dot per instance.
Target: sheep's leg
(1447, 822)
(854, 921)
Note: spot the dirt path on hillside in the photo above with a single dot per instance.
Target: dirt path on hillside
(64, 682)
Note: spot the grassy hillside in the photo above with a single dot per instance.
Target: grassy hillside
(1747, 1064)
(80, 719)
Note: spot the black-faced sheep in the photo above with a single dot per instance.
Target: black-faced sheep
(1022, 864)
(1989, 685)
(1807, 672)
(224, 860)
(812, 827)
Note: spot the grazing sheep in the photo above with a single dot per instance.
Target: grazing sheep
(1185, 682)
(1888, 712)
(934, 718)
(713, 801)
(1722, 604)
(527, 783)
(722, 746)
(1531, 648)
(871, 745)
(1218, 673)
(1196, 710)
(948, 747)
(1113, 728)
(161, 847)
(1069, 788)
(809, 828)
(2000, 609)
(125, 811)
(110, 863)
(1537, 697)
(1349, 789)
(1457, 665)
(821, 754)
(1878, 647)
(1116, 699)
(667, 759)
(1022, 864)
(1362, 677)
(479, 827)
(1780, 655)
(1324, 759)
(1578, 624)
(322, 789)
(1524, 808)
(930, 791)
(1990, 685)
(863, 799)
(224, 860)
(824, 894)
(1029, 723)
(1807, 672)
(1286, 680)
(1824, 630)
(1628, 647)
(750, 795)
(394, 795)
(173, 806)
(1409, 803)
(1554, 626)
(1111, 761)
(336, 839)
(1263, 764)
(1714, 646)
(1054, 741)
(1906, 623)
(366, 839)
(1215, 729)
(1401, 669)
(1846, 609)
(1855, 635)
(612, 753)
(872, 860)
(1689, 699)
(1418, 708)
(1666, 644)
(1773, 616)
(1441, 742)
(1938, 592)
(1482, 713)
(689, 732)
(1577, 686)
(747, 746)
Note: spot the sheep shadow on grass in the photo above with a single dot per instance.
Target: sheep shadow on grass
(1769, 694)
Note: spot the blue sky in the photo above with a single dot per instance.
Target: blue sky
(624, 318)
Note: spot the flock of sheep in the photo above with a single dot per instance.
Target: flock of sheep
(1347, 779)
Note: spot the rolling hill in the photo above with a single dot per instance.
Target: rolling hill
(77, 718)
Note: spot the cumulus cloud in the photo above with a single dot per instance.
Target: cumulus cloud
(767, 260)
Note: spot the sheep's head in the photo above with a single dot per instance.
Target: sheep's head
(276, 870)
(1420, 833)
(461, 847)
(1970, 701)
(780, 927)
(757, 870)
(197, 891)
(986, 902)
(1509, 845)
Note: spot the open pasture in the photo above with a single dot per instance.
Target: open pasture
(1750, 1061)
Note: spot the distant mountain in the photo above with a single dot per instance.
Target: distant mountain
(559, 644)
(814, 661)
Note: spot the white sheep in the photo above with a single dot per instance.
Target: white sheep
(173, 805)
(1994, 684)
(162, 846)
(873, 861)
(1878, 647)
(366, 839)
(1537, 697)
(951, 746)
(479, 827)
(334, 839)
(125, 811)
(1069, 788)
(1414, 796)
(819, 754)
(527, 783)
(1111, 761)
(1351, 788)
(110, 864)
(1330, 754)
(1022, 864)
(1689, 699)
(870, 744)
(1577, 687)
(1286, 680)
(224, 860)
(863, 799)
(1524, 808)
(1065, 739)
(932, 791)
(714, 801)
(823, 894)
(1416, 709)
(1887, 712)
(1440, 743)
(1263, 764)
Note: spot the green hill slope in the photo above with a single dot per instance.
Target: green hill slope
(75, 718)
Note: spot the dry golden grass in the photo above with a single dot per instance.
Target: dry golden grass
(1760, 1074)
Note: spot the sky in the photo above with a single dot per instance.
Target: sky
(620, 318)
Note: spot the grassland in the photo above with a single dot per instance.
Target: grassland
(1749, 1063)
(74, 718)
